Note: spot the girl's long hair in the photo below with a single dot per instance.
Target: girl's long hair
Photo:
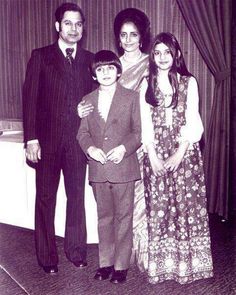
(178, 67)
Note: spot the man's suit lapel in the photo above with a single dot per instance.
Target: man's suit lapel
(57, 60)
(79, 57)
(80, 66)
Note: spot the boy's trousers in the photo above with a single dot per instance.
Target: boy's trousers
(115, 202)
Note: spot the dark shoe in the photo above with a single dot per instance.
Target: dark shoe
(80, 263)
(119, 276)
(103, 273)
(50, 269)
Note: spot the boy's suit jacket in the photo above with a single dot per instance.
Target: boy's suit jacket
(123, 126)
(45, 95)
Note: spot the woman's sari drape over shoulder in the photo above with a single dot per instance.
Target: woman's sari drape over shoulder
(132, 78)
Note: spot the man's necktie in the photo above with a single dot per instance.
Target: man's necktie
(69, 57)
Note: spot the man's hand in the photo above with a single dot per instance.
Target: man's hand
(116, 155)
(84, 109)
(97, 154)
(33, 152)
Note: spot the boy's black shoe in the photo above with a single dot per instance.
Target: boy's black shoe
(103, 273)
(119, 276)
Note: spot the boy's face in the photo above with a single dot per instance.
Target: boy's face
(106, 75)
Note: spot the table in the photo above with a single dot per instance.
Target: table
(17, 191)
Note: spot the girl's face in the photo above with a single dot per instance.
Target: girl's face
(106, 75)
(129, 37)
(163, 57)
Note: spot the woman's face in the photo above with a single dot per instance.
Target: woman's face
(129, 37)
(163, 57)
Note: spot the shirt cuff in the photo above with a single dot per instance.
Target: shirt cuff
(32, 141)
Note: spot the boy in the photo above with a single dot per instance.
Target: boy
(110, 136)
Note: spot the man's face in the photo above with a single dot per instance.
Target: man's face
(71, 28)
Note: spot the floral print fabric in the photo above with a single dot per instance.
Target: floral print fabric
(179, 239)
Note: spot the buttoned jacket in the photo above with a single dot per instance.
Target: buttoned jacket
(122, 127)
(47, 104)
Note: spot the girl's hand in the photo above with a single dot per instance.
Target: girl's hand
(157, 165)
(173, 162)
(84, 109)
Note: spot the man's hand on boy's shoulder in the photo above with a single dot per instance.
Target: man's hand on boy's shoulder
(117, 154)
(97, 154)
(84, 109)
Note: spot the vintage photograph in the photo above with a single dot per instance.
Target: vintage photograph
(118, 147)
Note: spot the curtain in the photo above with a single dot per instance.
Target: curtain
(33, 23)
(25, 25)
(233, 117)
(100, 15)
(209, 23)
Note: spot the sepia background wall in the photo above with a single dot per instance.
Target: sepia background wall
(28, 24)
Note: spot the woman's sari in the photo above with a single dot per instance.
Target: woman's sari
(132, 78)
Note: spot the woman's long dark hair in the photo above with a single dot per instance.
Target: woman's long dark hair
(178, 67)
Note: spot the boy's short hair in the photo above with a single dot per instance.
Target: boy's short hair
(105, 57)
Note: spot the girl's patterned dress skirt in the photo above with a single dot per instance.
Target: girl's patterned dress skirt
(179, 240)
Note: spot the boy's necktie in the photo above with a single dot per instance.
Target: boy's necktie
(69, 57)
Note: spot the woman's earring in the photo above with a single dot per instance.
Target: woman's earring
(141, 45)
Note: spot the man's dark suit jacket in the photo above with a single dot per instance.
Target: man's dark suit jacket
(45, 94)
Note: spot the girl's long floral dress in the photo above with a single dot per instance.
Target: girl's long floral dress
(179, 239)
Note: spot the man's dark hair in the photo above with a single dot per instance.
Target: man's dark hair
(68, 7)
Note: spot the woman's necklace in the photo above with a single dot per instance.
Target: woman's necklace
(131, 59)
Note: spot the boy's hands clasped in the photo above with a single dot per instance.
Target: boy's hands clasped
(97, 154)
(115, 155)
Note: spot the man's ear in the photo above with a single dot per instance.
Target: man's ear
(57, 26)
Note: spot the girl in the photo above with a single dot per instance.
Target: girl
(179, 241)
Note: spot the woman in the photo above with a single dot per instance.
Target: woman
(132, 33)
(179, 239)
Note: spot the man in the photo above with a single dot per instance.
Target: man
(57, 78)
